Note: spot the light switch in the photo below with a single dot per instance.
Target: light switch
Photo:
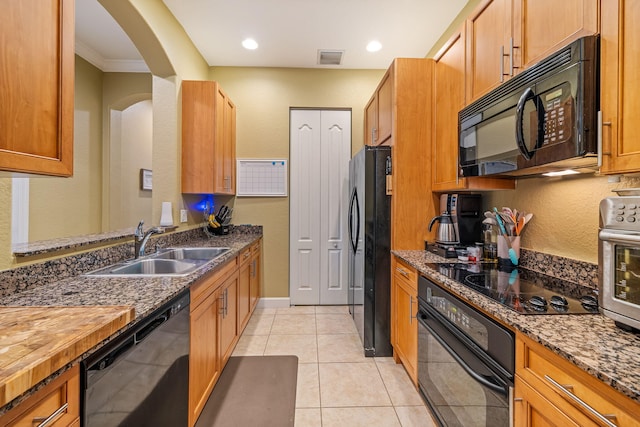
(183, 215)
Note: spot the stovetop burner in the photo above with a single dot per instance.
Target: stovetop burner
(522, 290)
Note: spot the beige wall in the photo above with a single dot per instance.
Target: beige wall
(565, 212)
(263, 97)
(453, 27)
(62, 207)
(6, 256)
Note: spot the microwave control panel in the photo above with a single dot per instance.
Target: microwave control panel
(558, 115)
(621, 213)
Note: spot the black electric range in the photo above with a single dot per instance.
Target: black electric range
(524, 291)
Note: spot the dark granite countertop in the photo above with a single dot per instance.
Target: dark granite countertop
(145, 294)
(592, 341)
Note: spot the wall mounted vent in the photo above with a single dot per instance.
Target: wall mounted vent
(330, 57)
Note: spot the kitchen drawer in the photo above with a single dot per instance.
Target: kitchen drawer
(203, 287)
(245, 256)
(58, 401)
(570, 388)
(406, 273)
(532, 409)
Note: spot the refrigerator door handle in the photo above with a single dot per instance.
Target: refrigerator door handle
(353, 238)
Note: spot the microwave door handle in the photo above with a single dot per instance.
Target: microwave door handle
(522, 147)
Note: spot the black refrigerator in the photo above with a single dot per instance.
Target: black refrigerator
(369, 249)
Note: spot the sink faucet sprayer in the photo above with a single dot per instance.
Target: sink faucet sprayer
(141, 238)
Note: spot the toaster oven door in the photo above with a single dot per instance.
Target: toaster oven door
(620, 266)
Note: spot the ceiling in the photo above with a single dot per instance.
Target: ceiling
(289, 32)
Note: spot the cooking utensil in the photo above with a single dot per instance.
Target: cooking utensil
(520, 225)
(528, 217)
(512, 253)
(491, 221)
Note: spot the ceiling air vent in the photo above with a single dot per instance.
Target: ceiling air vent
(330, 57)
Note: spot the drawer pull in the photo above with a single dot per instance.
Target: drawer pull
(43, 422)
(605, 419)
(403, 272)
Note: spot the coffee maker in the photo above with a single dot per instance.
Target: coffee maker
(466, 214)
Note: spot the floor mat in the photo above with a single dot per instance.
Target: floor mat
(253, 391)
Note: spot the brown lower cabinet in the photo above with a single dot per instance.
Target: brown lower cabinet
(404, 325)
(58, 402)
(551, 391)
(221, 305)
(248, 283)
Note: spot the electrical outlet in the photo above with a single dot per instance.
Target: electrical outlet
(183, 215)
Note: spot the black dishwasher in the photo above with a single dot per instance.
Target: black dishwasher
(141, 377)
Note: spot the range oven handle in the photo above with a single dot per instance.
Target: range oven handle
(630, 237)
(496, 385)
(527, 95)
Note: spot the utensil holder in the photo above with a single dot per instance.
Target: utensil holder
(503, 249)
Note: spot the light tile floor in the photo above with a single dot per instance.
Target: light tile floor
(337, 385)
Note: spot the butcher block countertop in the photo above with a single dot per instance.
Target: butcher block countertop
(37, 341)
(49, 327)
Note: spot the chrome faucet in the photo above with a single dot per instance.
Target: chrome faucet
(141, 238)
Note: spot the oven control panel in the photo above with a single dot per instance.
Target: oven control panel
(620, 213)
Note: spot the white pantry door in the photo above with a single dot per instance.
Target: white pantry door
(319, 175)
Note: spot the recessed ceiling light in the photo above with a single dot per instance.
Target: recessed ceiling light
(250, 44)
(374, 46)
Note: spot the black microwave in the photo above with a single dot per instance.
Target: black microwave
(544, 119)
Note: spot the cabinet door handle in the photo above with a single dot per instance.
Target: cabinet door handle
(43, 422)
(374, 132)
(599, 139)
(501, 64)
(226, 302)
(605, 419)
(511, 66)
(221, 310)
(410, 309)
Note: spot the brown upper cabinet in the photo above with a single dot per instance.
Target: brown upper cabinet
(504, 37)
(620, 89)
(208, 139)
(407, 90)
(489, 39)
(378, 113)
(36, 101)
(449, 98)
(541, 27)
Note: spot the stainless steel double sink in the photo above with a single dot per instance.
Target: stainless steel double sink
(167, 262)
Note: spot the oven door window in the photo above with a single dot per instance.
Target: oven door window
(459, 387)
(627, 274)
